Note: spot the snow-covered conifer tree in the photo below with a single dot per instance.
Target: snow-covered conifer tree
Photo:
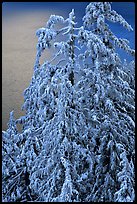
(77, 138)
(107, 92)
(14, 171)
(64, 157)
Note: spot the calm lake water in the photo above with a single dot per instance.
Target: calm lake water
(18, 57)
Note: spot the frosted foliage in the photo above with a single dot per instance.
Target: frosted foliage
(96, 11)
(96, 14)
(77, 142)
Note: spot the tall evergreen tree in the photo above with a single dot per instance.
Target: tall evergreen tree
(77, 138)
(107, 93)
